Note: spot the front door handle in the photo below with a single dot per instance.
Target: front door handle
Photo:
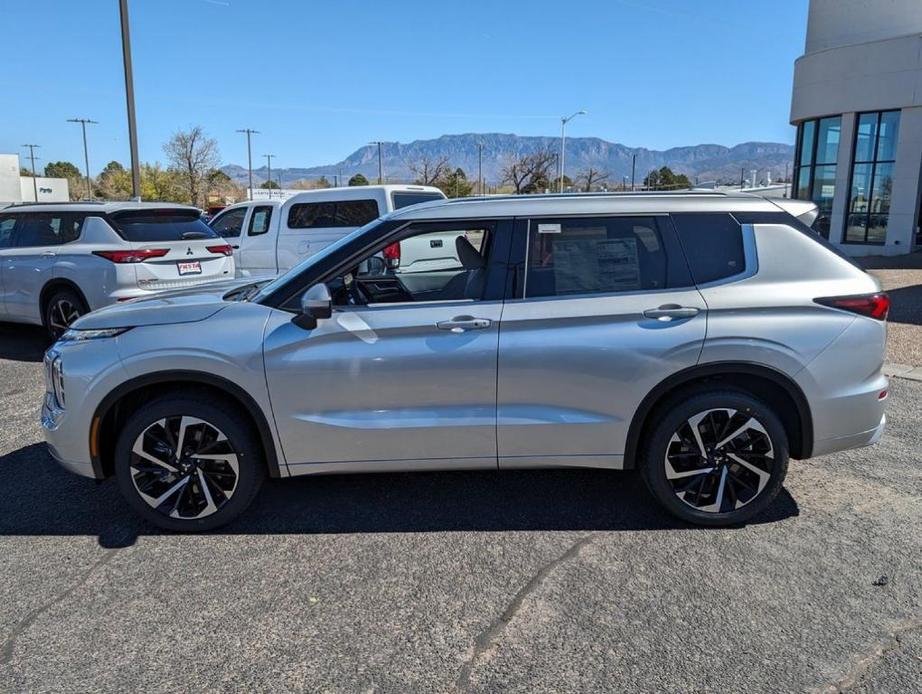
(49, 254)
(460, 324)
(668, 312)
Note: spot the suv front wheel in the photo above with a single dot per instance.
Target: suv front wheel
(186, 464)
(716, 458)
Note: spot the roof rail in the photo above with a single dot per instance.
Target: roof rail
(608, 194)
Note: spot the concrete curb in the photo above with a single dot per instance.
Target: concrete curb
(913, 373)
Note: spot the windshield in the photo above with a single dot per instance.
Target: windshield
(307, 262)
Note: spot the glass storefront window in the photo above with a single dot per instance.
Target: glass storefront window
(815, 172)
(872, 177)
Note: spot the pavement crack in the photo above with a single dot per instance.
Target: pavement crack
(487, 639)
(6, 650)
(867, 661)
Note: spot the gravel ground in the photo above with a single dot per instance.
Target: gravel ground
(517, 581)
(901, 276)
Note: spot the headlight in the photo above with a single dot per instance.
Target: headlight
(74, 335)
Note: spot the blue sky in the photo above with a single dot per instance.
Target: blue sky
(320, 79)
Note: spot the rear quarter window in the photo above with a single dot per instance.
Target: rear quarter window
(144, 226)
(341, 213)
(713, 244)
(406, 199)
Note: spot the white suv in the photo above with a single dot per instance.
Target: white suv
(60, 261)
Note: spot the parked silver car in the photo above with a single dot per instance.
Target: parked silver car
(701, 338)
(59, 261)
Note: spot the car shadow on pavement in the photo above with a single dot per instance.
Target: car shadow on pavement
(39, 498)
(22, 342)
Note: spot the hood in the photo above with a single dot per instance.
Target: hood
(186, 306)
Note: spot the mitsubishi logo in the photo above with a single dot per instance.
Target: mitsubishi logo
(189, 250)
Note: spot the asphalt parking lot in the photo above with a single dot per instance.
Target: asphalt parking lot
(516, 581)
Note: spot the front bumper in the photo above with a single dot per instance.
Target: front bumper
(52, 420)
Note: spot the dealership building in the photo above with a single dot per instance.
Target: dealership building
(857, 106)
(15, 188)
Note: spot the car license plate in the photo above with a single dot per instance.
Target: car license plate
(191, 268)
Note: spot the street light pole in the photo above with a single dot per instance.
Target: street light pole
(129, 99)
(34, 180)
(86, 152)
(269, 175)
(380, 161)
(563, 138)
(249, 132)
(633, 168)
(480, 168)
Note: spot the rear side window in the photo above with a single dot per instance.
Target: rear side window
(341, 213)
(230, 223)
(406, 199)
(713, 244)
(596, 255)
(48, 229)
(144, 226)
(7, 222)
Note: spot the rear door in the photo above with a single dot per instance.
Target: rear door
(7, 224)
(181, 250)
(604, 310)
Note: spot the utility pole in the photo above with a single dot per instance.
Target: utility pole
(86, 153)
(269, 176)
(34, 180)
(563, 139)
(786, 189)
(742, 178)
(249, 132)
(380, 161)
(129, 99)
(480, 168)
(633, 169)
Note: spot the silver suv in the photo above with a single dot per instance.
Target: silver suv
(59, 261)
(701, 338)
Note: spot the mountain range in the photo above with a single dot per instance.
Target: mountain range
(703, 162)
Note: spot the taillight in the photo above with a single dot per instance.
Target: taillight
(138, 256)
(223, 249)
(870, 305)
(392, 255)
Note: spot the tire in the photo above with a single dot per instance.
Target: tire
(60, 310)
(216, 490)
(752, 460)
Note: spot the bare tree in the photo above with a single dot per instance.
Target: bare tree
(193, 155)
(529, 173)
(592, 177)
(427, 171)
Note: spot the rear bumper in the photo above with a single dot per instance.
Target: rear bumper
(843, 443)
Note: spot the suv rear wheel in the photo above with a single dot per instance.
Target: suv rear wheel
(717, 458)
(62, 308)
(186, 464)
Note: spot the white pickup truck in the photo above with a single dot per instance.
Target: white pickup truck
(271, 236)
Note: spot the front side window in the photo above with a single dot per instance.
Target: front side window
(259, 221)
(815, 166)
(341, 213)
(48, 229)
(594, 256)
(441, 263)
(229, 224)
(872, 177)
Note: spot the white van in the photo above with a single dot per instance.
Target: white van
(271, 236)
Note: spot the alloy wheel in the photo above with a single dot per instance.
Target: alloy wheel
(719, 460)
(61, 314)
(184, 467)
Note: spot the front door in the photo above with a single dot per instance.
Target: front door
(229, 225)
(257, 247)
(403, 375)
(605, 310)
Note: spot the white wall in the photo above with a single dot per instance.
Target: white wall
(9, 179)
(834, 23)
(49, 189)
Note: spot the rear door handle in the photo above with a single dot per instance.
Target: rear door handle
(49, 254)
(668, 312)
(460, 324)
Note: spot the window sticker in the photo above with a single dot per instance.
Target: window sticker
(548, 228)
(590, 262)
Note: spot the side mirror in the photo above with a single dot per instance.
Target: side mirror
(316, 303)
(373, 267)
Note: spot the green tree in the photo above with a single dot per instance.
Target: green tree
(455, 184)
(23, 171)
(114, 182)
(159, 184)
(358, 180)
(61, 169)
(322, 182)
(666, 179)
(273, 185)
